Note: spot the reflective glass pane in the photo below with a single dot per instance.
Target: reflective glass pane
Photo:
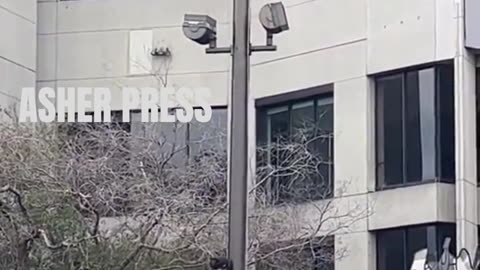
(391, 250)
(420, 126)
(165, 140)
(416, 241)
(325, 114)
(211, 136)
(390, 127)
(278, 124)
(446, 122)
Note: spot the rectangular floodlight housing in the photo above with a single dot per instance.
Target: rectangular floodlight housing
(279, 16)
(200, 28)
(192, 20)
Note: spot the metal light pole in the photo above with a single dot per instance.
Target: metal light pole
(238, 161)
(202, 29)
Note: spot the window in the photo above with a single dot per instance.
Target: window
(191, 141)
(106, 145)
(295, 152)
(194, 150)
(415, 126)
(88, 137)
(116, 122)
(315, 254)
(396, 248)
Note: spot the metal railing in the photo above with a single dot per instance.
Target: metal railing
(462, 261)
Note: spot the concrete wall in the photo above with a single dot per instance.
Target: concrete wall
(18, 24)
(97, 43)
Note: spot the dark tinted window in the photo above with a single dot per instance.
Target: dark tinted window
(420, 125)
(390, 126)
(396, 248)
(391, 256)
(198, 149)
(416, 239)
(189, 141)
(283, 131)
(446, 122)
(415, 126)
(207, 138)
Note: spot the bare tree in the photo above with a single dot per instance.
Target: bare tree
(148, 196)
(84, 196)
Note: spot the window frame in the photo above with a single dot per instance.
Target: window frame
(188, 126)
(288, 100)
(187, 156)
(432, 241)
(379, 136)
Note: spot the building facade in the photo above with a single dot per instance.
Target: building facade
(395, 76)
(18, 50)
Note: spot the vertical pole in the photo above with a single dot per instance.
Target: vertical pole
(465, 140)
(238, 160)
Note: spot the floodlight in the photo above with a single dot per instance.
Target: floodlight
(200, 28)
(274, 18)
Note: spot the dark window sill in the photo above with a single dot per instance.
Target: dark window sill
(299, 202)
(424, 182)
(300, 199)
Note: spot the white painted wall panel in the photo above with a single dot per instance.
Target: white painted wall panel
(218, 83)
(190, 57)
(92, 55)
(404, 206)
(308, 70)
(12, 79)
(104, 15)
(357, 251)
(140, 46)
(19, 42)
(46, 57)
(470, 209)
(47, 17)
(107, 54)
(313, 25)
(445, 29)
(446, 202)
(351, 136)
(400, 33)
(23, 8)
(478, 205)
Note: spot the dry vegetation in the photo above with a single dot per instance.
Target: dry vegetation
(99, 197)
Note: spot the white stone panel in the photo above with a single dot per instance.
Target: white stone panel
(19, 42)
(352, 136)
(308, 70)
(446, 203)
(12, 79)
(47, 17)
(75, 16)
(139, 58)
(46, 57)
(24, 8)
(445, 29)
(92, 55)
(313, 25)
(354, 250)
(400, 33)
(218, 84)
(403, 206)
